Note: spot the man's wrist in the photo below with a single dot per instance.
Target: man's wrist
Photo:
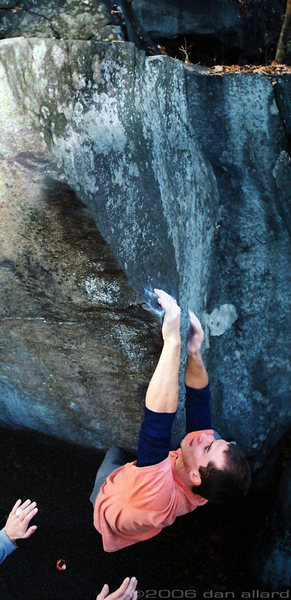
(175, 344)
(195, 372)
(195, 357)
(11, 539)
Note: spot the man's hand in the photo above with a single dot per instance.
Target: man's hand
(195, 335)
(171, 322)
(17, 523)
(125, 592)
(195, 372)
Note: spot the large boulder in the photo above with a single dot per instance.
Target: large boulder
(249, 28)
(90, 19)
(185, 176)
(92, 117)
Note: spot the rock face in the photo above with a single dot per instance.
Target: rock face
(169, 19)
(92, 116)
(64, 19)
(252, 27)
(76, 346)
(241, 130)
(186, 178)
(247, 30)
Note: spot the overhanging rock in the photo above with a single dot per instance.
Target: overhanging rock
(186, 177)
(114, 127)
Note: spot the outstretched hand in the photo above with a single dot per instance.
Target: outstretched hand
(126, 591)
(195, 335)
(171, 322)
(17, 523)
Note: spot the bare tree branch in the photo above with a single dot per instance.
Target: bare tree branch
(283, 39)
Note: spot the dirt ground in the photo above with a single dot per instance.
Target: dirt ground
(206, 551)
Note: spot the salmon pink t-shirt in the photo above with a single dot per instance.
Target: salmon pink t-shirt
(136, 503)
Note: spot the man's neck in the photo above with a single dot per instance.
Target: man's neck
(182, 472)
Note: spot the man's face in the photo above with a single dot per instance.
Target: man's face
(199, 450)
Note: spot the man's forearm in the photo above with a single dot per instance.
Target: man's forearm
(195, 372)
(162, 393)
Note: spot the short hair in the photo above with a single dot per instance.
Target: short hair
(225, 485)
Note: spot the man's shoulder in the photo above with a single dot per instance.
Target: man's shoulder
(127, 483)
(132, 472)
(135, 494)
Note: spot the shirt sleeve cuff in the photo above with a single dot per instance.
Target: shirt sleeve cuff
(199, 394)
(154, 438)
(6, 546)
(197, 406)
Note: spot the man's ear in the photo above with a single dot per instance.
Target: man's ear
(195, 477)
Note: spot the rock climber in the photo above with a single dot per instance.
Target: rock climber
(133, 501)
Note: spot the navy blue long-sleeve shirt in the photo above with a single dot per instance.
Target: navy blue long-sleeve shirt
(155, 434)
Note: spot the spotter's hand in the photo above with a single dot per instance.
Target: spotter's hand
(125, 592)
(17, 523)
